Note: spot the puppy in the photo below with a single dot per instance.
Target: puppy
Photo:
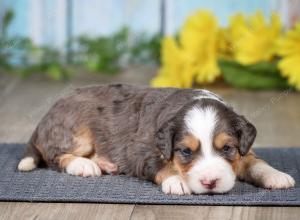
(186, 140)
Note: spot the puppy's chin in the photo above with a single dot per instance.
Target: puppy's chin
(212, 169)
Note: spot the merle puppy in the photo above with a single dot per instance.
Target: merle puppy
(186, 140)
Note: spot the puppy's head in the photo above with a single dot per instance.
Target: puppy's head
(206, 141)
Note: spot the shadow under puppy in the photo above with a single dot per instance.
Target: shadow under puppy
(186, 140)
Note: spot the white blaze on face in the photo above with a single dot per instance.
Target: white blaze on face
(210, 166)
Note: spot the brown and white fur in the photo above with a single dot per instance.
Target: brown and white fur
(187, 141)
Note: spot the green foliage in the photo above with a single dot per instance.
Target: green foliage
(5, 42)
(6, 21)
(18, 52)
(110, 54)
(48, 61)
(10, 46)
(104, 53)
(146, 49)
(263, 75)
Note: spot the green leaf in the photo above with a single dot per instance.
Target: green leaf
(92, 65)
(259, 76)
(55, 72)
(6, 20)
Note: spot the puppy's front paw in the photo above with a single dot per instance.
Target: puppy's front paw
(277, 180)
(83, 167)
(268, 177)
(175, 185)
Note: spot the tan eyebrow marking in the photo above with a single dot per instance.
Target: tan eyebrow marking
(191, 142)
(221, 139)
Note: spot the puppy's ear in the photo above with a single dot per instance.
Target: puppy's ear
(164, 138)
(247, 133)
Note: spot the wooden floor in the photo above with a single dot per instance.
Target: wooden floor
(23, 103)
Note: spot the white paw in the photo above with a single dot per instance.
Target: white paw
(271, 178)
(175, 185)
(26, 164)
(277, 180)
(83, 167)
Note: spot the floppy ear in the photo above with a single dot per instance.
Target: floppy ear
(164, 138)
(247, 133)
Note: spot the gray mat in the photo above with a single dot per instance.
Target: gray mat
(43, 185)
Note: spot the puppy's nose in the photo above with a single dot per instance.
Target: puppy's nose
(209, 184)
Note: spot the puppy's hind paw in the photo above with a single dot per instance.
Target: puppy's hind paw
(83, 167)
(26, 164)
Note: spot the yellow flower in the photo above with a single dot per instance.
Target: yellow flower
(173, 71)
(289, 49)
(224, 44)
(228, 35)
(195, 58)
(253, 40)
(198, 39)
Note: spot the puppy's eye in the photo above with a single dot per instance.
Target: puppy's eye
(227, 148)
(186, 152)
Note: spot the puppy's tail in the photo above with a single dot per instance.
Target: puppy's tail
(32, 156)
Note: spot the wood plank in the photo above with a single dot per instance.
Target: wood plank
(8, 83)
(150, 212)
(54, 211)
